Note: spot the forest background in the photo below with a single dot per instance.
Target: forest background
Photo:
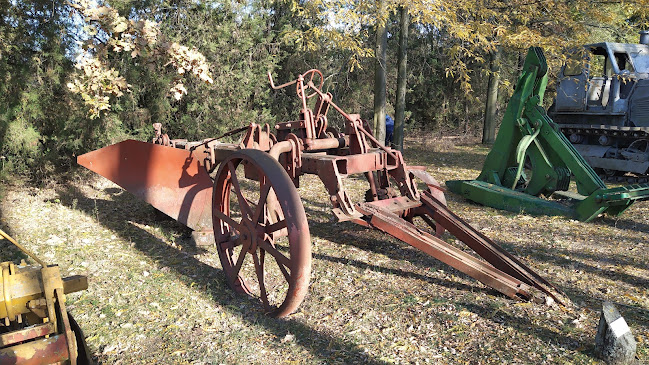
(79, 75)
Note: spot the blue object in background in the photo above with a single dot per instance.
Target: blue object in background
(389, 129)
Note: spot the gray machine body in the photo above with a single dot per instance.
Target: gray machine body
(602, 106)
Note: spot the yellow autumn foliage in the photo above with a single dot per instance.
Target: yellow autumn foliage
(96, 82)
(475, 28)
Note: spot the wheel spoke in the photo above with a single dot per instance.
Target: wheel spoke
(259, 269)
(276, 226)
(284, 272)
(227, 219)
(243, 203)
(265, 188)
(228, 244)
(279, 257)
(242, 255)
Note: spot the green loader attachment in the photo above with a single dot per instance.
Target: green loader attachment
(531, 164)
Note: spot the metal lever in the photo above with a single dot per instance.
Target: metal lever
(272, 84)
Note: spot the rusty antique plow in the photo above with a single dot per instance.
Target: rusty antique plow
(244, 198)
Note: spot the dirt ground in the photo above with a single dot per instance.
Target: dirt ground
(155, 298)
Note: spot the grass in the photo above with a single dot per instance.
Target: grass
(155, 298)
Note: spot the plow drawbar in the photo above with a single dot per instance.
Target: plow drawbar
(531, 159)
(243, 197)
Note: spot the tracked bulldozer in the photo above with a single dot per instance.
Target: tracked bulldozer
(602, 107)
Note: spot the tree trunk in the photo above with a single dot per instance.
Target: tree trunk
(489, 128)
(379, 74)
(400, 109)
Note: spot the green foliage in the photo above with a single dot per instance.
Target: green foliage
(236, 43)
(37, 113)
(21, 143)
(43, 125)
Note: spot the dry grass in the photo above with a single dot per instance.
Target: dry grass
(153, 298)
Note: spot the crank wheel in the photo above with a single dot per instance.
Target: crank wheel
(261, 231)
(310, 75)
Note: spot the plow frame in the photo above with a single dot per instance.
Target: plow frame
(275, 162)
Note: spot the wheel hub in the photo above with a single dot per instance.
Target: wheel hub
(248, 235)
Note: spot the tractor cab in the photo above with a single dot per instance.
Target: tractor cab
(599, 78)
(602, 106)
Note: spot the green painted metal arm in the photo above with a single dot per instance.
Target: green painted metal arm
(562, 153)
(531, 159)
(501, 155)
(526, 124)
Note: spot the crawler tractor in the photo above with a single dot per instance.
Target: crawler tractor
(602, 106)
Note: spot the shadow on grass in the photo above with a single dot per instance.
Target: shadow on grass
(115, 215)
(525, 325)
(452, 159)
(576, 261)
(8, 251)
(624, 223)
(397, 272)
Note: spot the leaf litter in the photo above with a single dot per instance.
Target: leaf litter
(155, 298)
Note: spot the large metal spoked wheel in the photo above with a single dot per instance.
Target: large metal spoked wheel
(261, 231)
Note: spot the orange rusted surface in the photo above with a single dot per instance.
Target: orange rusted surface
(172, 180)
(42, 351)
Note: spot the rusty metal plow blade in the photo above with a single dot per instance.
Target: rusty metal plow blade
(171, 179)
(500, 271)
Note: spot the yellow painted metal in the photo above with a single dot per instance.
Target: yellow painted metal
(32, 302)
(25, 286)
(6, 291)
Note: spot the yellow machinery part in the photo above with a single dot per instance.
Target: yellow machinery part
(22, 287)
